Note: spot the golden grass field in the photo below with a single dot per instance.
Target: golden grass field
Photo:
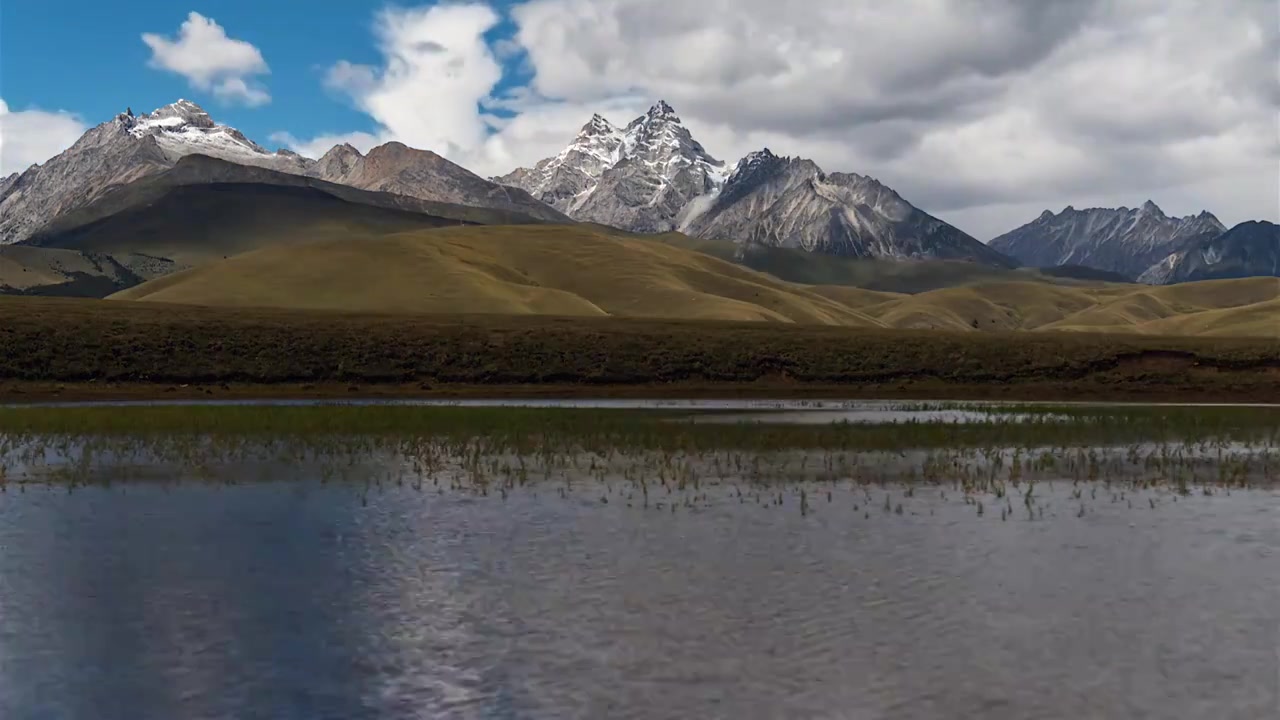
(586, 271)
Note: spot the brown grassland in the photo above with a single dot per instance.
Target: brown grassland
(71, 349)
(580, 271)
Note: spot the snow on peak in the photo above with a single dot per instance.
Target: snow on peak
(664, 111)
(598, 125)
(184, 128)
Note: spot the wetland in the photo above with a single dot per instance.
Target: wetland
(731, 559)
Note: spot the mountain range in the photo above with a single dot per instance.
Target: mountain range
(653, 176)
(1127, 241)
(128, 148)
(650, 176)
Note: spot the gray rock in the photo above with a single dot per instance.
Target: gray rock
(128, 148)
(401, 170)
(653, 176)
(118, 152)
(1123, 240)
(791, 202)
(1249, 249)
(638, 178)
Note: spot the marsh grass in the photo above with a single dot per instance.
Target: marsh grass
(1045, 460)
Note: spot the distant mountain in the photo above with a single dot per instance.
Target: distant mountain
(653, 176)
(791, 202)
(120, 151)
(637, 178)
(1246, 250)
(129, 147)
(401, 170)
(205, 209)
(1122, 240)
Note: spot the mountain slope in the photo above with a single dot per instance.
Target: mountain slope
(204, 209)
(129, 148)
(26, 270)
(653, 176)
(120, 151)
(578, 271)
(1246, 250)
(791, 202)
(1123, 240)
(556, 270)
(398, 169)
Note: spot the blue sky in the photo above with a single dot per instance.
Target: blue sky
(982, 113)
(101, 66)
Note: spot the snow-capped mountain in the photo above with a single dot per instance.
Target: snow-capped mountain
(184, 128)
(1123, 240)
(636, 178)
(1246, 250)
(130, 147)
(653, 176)
(119, 151)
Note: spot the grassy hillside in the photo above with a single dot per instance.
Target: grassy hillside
(580, 271)
(196, 224)
(71, 273)
(1247, 306)
(550, 270)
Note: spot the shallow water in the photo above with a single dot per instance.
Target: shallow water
(301, 600)
(804, 405)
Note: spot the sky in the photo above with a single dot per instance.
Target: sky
(981, 112)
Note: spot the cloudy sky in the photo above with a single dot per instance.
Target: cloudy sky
(982, 112)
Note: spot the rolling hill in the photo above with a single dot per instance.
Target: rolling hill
(584, 271)
(548, 270)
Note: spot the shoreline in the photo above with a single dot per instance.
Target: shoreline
(42, 392)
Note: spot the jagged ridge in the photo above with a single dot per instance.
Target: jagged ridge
(653, 176)
(1124, 240)
(130, 147)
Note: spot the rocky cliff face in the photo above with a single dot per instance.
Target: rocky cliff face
(791, 202)
(1123, 240)
(1247, 250)
(653, 176)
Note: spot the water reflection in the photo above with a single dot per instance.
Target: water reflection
(293, 600)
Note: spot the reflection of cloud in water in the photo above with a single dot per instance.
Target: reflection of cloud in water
(300, 601)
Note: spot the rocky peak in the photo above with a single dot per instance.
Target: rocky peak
(1046, 215)
(187, 111)
(1124, 240)
(661, 110)
(751, 164)
(596, 126)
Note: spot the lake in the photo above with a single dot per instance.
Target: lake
(388, 595)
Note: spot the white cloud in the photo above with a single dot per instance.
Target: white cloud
(982, 112)
(33, 136)
(437, 70)
(203, 54)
